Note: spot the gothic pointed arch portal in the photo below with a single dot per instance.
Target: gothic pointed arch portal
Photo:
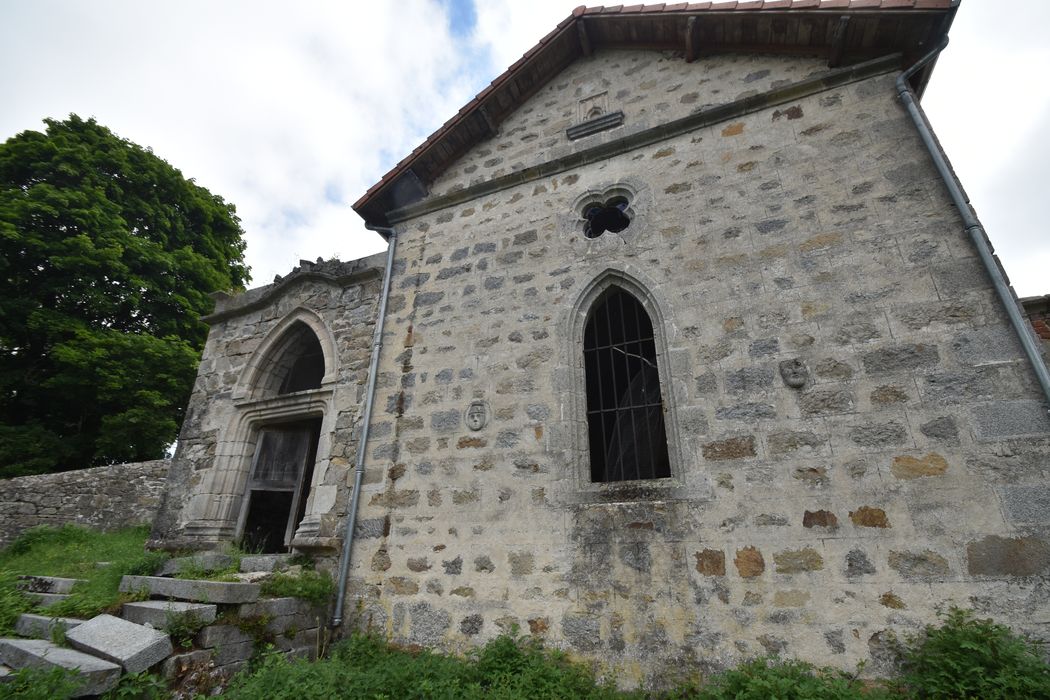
(277, 439)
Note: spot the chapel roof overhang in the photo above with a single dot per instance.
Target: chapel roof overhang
(843, 31)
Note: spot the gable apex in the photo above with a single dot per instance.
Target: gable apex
(842, 31)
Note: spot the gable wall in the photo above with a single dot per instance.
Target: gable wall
(906, 473)
(208, 475)
(650, 87)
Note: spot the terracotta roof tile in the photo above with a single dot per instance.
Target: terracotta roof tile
(776, 4)
(932, 4)
(803, 4)
(676, 7)
(860, 4)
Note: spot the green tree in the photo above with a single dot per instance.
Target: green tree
(107, 259)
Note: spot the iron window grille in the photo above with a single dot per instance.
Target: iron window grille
(625, 412)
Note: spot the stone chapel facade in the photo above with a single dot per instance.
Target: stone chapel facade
(687, 357)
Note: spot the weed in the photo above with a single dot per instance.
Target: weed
(12, 603)
(314, 586)
(763, 678)
(967, 657)
(38, 684)
(72, 551)
(139, 686)
(182, 627)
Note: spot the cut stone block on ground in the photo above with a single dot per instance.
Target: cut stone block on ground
(134, 647)
(95, 676)
(188, 589)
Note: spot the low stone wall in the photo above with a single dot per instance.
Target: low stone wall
(108, 498)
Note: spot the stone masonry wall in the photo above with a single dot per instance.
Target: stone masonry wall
(909, 471)
(649, 87)
(108, 498)
(225, 410)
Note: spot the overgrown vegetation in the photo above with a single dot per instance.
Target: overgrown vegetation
(365, 666)
(74, 552)
(967, 657)
(314, 586)
(962, 657)
(38, 684)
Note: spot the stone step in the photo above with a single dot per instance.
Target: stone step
(134, 647)
(46, 600)
(265, 562)
(47, 584)
(95, 675)
(159, 613)
(205, 561)
(43, 626)
(192, 589)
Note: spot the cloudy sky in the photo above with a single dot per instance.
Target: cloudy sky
(292, 110)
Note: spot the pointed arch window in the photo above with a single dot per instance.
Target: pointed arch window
(625, 412)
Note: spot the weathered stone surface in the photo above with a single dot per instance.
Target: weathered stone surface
(798, 561)
(110, 497)
(42, 626)
(1027, 503)
(919, 565)
(890, 600)
(134, 647)
(908, 467)
(825, 402)
(711, 562)
(820, 518)
(264, 562)
(222, 636)
(785, 442)
(160, 613)
(878, 434)
(730, 448)
(900, 358)
(189, 589)
(1005, 419)
(205, 562)
(858, 564)
(746, 411)
(1002, 556)
(94, 675)
(749, 379)
(47, 584)
(582, 631)
(471, 624)
(866, 516)
(749, 562)
(943, 428)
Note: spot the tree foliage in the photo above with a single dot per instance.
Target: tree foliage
(107, 259)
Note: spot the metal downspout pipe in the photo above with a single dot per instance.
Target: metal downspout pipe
(973, 227)
(359, 468)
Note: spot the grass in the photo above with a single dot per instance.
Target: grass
(73, 552)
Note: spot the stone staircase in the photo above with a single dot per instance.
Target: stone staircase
(220, 624)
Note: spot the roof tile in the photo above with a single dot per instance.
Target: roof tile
(776, 4)
(632, 8)
(897, 3)
(859, 4)
(932, 4)
(804, 4)
(676, 7)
